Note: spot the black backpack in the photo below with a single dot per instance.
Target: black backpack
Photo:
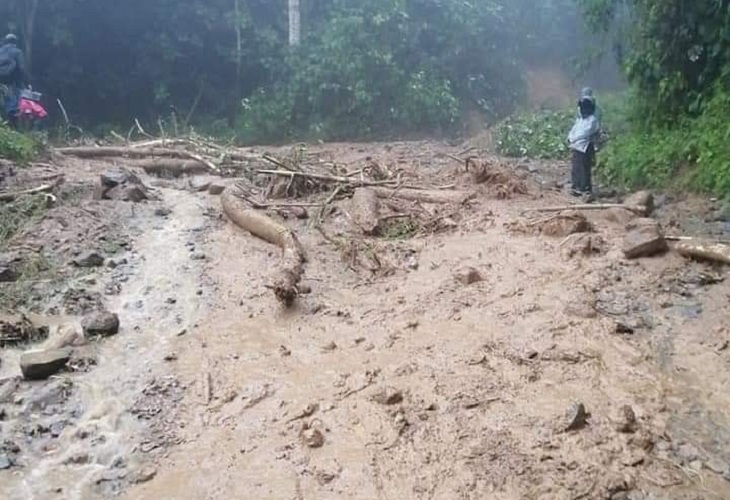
(8, 63)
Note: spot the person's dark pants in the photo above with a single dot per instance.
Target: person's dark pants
(582, 172)
(11, 105)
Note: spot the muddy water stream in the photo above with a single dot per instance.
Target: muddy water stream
(100, 435)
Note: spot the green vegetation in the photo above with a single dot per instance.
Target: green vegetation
(362, 69)
(674, 131)
(16, 146)
(24, 293)
(541, 134)
(17, 215)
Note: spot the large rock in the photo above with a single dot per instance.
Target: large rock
(216, 189)
(644, 239)
(620, 216)
(10, 267)
(114, 178)
(641, 199)
(39, 365)
(102, 324)
(121, 185)
(7, 273)
(89, 259)
(564, 224)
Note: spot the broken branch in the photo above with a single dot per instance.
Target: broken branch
(12, 196)
(606, 206)
(285, 281)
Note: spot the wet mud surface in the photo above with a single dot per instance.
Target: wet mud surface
(477, 361)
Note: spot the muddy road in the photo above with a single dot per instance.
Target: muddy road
(485, 359)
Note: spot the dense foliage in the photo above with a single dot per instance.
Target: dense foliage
(540, 134)
(363, 68)
(16, 146)
(677, 56)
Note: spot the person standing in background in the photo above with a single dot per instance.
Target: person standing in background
(13, 76)
(582, 139)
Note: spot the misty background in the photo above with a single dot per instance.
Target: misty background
(342, 69)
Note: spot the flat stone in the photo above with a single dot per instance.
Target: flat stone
(114, 178)
(576, 417)
(467, 276)
(313, 438)
(39, 365)
(132, 193)
(688, 453)
(5, 462)
(627, 422)
(388, 396)
(717, 466)
(199, 184)
(101, 323)
(216, 189)
(641, 199)
(89, 259)
(644, 239)
(145, 474)
(620, 216)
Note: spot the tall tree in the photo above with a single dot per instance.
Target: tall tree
(295, 26)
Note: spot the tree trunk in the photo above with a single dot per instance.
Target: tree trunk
(30, 9)
(295, 27)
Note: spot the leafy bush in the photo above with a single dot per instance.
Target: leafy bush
(541, 134)
(692, 153)
(15, 146)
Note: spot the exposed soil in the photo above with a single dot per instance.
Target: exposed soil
(475, 358)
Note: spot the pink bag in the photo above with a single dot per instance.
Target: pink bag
(32, 108)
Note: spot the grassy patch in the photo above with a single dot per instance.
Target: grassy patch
(691, 153)
(17, 215)
(401, 229)
(36, 274)
(17, 147)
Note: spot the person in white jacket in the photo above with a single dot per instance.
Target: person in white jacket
(582, 138)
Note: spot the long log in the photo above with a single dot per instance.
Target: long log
(365, 210)
(425, 196)
(714, 252)
(169, 166)
(286, 279)
(102, 152)
(131, 152)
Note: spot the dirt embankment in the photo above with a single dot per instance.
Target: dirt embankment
(468, 350)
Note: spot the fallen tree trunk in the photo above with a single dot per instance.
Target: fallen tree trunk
(365, 210)
(132, 152)
(425, 196)
(285, 281)
(169, 166)
(714, 252)
(128, 152)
